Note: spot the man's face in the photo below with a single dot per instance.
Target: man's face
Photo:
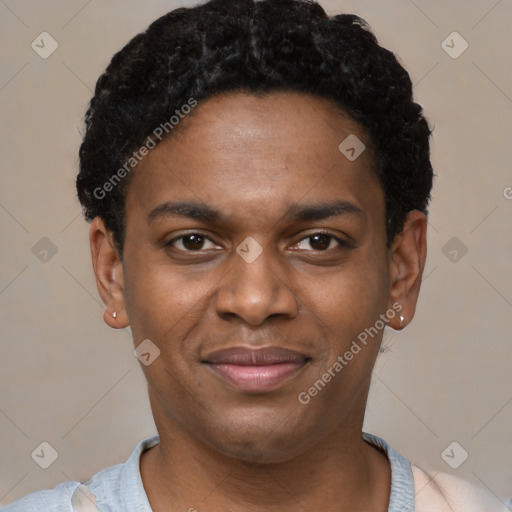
(241, 333)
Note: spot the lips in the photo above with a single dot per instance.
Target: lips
(256, 370)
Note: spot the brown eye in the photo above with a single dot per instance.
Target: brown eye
(191, 242)
(320, 242)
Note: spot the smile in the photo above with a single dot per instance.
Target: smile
(256, 370)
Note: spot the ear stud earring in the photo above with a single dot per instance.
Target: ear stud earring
(114, 314)
(402, 318)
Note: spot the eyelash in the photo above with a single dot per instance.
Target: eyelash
(342, 243)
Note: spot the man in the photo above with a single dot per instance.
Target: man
(257, 177)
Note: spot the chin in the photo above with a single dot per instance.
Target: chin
(262, 444)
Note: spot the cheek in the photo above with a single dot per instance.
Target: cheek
(351, 297)
(164, 302)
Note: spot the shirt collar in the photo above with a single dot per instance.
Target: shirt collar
(402, 484)
(401, 498)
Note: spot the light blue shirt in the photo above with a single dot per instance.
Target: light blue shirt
(119, 488)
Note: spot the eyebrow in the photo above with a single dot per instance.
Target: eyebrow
(321, 211)
(297, 212)
(187, 209)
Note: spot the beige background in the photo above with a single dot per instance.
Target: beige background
(67, 379)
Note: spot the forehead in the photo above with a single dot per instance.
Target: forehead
(260, 152)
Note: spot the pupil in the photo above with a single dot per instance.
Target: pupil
(193, 242)
(320, 241)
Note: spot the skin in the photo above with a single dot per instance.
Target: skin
(251, 158)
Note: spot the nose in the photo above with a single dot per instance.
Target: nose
(255, 291)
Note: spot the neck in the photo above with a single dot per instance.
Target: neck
(339, 472)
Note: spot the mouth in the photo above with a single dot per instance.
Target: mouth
(256, 370)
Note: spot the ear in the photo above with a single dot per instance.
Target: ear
(406, 263)
(108, 270)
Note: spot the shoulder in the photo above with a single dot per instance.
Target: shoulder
(74, 496)
(440, 492)
(55, 500)
(104, 491)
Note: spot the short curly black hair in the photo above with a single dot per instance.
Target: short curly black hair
(255, 47)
